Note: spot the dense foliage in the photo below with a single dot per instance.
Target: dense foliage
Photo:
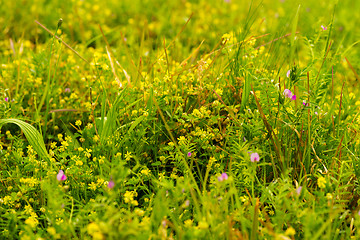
(179, 119)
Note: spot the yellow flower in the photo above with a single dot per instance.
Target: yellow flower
(188, 223)
(146, 172)
(128, 156)
(321, 182)
(32, 222)
(92, 186)
(93, 228)
(290, 231)
(79, 163)
(78, 123)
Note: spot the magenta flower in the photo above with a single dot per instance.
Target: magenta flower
(254, 157)
(324, 28)
(111, 184)
(305, 103)
(189, 154)
(6, 99)
(223, 177)
(288, 94)
(61, 176)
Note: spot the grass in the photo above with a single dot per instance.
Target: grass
(155, 113)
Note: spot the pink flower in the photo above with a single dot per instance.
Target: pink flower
(61, 176)
(6, 99)
(223, 177)
(288, 73)
(189, 154)
(287, 93)
(298, 190)
(254, 157)
(111, 184)
(323, 28)
(305, 103)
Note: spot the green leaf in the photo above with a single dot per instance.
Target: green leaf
(32, 135)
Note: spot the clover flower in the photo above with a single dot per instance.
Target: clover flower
(61, 176)
(254, 157)
(111, 184)
(288, 94)
(223, 177)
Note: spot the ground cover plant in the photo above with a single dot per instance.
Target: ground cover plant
(179, 120)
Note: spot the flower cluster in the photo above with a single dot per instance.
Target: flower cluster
(288, 94)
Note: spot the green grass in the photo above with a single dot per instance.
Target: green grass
(154, 111)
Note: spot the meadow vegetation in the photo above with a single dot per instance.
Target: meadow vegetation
(201, 119)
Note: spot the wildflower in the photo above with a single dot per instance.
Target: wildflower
(6, 99)
(32, 222)
(223, 177)
(324, 28)
(61, 176)
(287, 93)
(111, 184)
(288, 73)
(254, 157)
(298, 190)
(78, 123)
(67, 90)
(290, 231)
(305, 103)
(189, 154)
(321, 182)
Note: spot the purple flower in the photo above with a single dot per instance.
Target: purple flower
(305, 103)
(223, 177)
(61, 176)
(189, 154)
(287, 93)
(288, 73)
(6, 99)
(324, 28)
(254, 157)
(298, 190)
(111, 184)
(67, 90)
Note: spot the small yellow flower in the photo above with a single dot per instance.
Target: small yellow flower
(96, 138)
(188, 223)
(146, 172)
(290, 231)
(32, 222)
(128, 156)
(92, 186)
(79, 163)
(321, 182)
(78, 123)
(92, 228)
